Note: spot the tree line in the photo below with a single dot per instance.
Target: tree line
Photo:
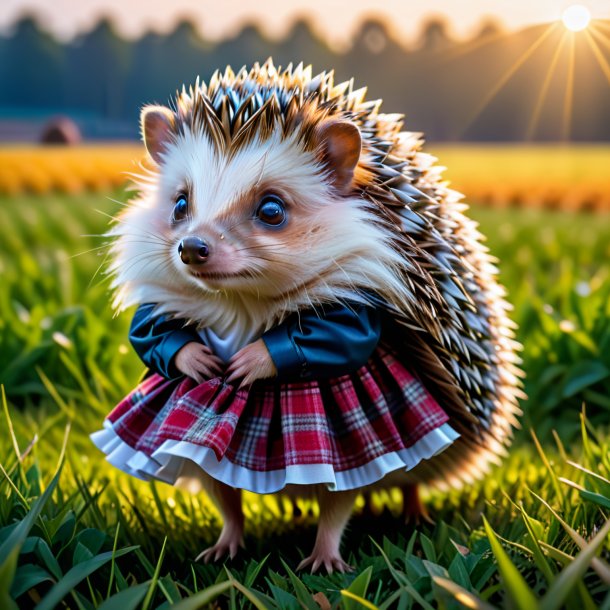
(450, 90)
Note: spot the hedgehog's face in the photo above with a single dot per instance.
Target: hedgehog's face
(264, 219)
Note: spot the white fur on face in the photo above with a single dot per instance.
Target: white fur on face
(218, 180)
(336, 248)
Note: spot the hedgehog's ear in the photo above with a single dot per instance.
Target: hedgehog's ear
(157, 126)
(339, 144)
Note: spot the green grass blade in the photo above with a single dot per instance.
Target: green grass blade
(514, 583)
(262, 602)
(9, 423)
(586, 601)
(201, 599)
(353, 601)
(28, 576)
(170, 589)
(11, 547)
(128, 599)
(588, 495)
(251, 576)
(160, 507)
(570, 576)
(7, 576)
(358, 587)
(460, 595)
(301, 592)
(539, 557)
(155, 578)
(402, 580)
(52, 390)
(587, 471)
(90, 503)
(112, 563)
(14, 487)
(547, 464)
(596, 498)
(76, 575)
(390, 602)
(80, 378)
(556, 554)
(600, 566)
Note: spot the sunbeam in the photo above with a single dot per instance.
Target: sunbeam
(531, 128)
(601, 37)
(458, 51)
(601, 23)
(507, 76)
(599, 56)
(566, 121)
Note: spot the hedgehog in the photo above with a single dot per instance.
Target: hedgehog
(317, 313)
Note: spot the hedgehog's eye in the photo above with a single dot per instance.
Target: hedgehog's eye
(181, 208)
(271, 210)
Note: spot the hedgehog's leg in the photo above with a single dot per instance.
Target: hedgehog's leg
(228, 502)
(335, 510)
(413, 508)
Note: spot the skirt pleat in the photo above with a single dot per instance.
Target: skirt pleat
(344, 432)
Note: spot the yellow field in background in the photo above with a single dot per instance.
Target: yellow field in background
(66, 169)
(552, 176)
(571, 177)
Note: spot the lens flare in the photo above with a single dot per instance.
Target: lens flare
(576, 17)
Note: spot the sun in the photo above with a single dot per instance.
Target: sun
(576, 17)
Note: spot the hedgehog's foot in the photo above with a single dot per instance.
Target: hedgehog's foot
(228, 543)
(335, 510)
(414, 510)
(228, 502)
(331, 560)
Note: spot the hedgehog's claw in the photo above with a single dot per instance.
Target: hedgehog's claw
(228, 543)
(331, 561)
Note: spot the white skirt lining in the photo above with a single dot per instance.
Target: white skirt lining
(172, 463)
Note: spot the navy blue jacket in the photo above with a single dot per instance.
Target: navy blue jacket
(328, 342)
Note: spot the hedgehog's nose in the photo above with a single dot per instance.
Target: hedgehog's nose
(193, 251)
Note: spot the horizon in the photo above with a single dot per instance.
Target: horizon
(327, 20)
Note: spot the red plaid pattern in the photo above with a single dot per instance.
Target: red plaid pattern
(347, 421)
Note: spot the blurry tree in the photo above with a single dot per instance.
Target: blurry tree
(183, 56)
(31, 67)
(161, 64)
(496, 86)
(145, 83)
(302, 44)
(248, 46)
(434, 36)
(96, 72)
(378, 62)
(488, 29)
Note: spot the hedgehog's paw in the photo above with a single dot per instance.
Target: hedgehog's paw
(332, 561)
(228, 543)
(414, 510)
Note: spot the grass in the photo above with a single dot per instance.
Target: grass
(75, 530)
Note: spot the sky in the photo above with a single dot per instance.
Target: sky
(334, 20)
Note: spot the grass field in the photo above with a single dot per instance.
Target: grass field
(72, 528)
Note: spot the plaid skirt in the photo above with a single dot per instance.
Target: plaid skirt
(345, 432)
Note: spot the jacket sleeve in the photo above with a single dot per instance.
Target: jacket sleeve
(329, 343)
(158, 338)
